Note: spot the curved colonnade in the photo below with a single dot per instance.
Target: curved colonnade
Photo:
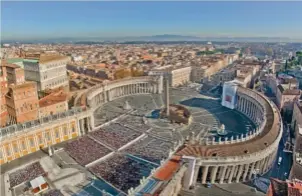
(103, 93)
(238, 160)
(219, 163)
(235, 160)
(22, 139)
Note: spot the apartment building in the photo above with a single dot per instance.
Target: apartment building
(244, 79)
(271, 82)
(48, 70)
(209, 66)
(286, 81)
(22, 102)
(286, 98)
(177, 75)
(15, 74)
(297, 115)
(100, 71)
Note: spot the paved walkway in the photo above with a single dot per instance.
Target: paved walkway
(223, 190)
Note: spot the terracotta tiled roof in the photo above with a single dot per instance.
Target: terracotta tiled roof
(282, 188)
(27, 83)
(168, 169)
(50, 58)
(279, 188)
(12, 65)
(53, 98)
(291, 92)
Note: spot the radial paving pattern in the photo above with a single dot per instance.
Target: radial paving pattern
(207, 113)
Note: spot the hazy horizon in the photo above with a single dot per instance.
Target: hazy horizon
(50, 20)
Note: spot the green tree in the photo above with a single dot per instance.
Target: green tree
(299, 53)
(269, 52)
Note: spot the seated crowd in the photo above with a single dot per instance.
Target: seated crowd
(136, 123)
(115, 135)
(85, 150)
(151, 149)
(26, 174)
(53, 192)
(122, 172)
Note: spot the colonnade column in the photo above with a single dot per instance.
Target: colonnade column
(245, 106)
(223, 174)
(236, 170)
(252, 111)
(92, 121)
(239, 173)
(78, 127)
(231, 175)
(82, 126)
(213, 174)
(262, 164)
(205, 170)
(246, 169)
(196, 172)
(265, 164)
(241, 104)
(252, 170)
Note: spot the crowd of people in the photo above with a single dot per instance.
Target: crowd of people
(122, 172)
(53, 192)
(115, 135)
(135, 122)
(85, 150)
(151, 149)
(26, 174)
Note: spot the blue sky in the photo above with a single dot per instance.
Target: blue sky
(117, 19)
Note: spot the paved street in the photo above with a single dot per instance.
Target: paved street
(277, 171)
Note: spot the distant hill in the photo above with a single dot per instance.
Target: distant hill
(168, 37)
(156, 38)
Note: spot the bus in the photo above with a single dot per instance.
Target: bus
(279, 160)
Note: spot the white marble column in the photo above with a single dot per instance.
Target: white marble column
(252, 169)
(246, 169)
(266, 164)
(223, 174)
(214, 173)
(245, 107)
(231, 174)
(205, 170)
(262, 165)
(235, 172)
(239, 173)
(196, 171)
(228, 171)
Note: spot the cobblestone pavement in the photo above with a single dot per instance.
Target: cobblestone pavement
(207, 114)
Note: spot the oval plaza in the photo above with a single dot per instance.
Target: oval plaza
(204, 157)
